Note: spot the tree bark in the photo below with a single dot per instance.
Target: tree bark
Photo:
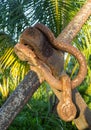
(28, 86)
(69, 33)
(83, 119)
(18, 99)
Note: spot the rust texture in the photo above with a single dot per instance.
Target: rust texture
(26, 54)
(84, 114)
(83, 117)
(66, 108)
(66, 105)
(18, 99)
(36, 40)
(70, 49)
(63, 97)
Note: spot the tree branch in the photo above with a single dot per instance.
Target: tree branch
(18, 99)
(28, 86)
(83, 118)
(68, 34)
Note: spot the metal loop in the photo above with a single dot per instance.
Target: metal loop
(65, 108)
(70, 49)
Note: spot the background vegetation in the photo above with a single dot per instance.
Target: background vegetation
(15, 16)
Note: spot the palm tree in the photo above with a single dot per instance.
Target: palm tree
(17, 15)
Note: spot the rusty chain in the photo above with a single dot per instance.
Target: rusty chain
(66, 108)
(70, 49)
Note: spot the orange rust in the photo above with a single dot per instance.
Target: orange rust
(70, 49)
(66, 108)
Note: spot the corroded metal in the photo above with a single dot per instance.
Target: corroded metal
(44, 72)
(81, 117)
(70, 49)
(27, 38)
(26, 46)
(84, 120)
(41, 46)
(66, 108)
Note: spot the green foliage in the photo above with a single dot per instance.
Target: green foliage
(37, 114)
(12, 72)
(15, 16)
(83, 43)
(85, 47)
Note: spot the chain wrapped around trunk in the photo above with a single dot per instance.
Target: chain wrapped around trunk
(62, 85)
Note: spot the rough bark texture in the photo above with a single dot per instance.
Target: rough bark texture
(18, 99)
(68, 34)
(83, 120)
(29, 85)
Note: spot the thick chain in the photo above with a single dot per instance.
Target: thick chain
(66, 108)
(70, 49)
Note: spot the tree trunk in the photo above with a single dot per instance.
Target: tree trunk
(28, 86)
(18, 99)
(69, 33)
(83, 120)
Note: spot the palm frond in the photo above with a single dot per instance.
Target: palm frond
(12, 70)
(17, 15)
(55, 13)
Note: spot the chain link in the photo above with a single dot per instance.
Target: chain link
(61, 87)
